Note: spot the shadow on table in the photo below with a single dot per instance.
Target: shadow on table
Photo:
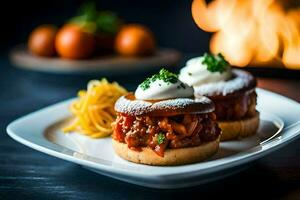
(255, 182)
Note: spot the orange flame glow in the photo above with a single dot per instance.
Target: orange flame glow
(251, 32)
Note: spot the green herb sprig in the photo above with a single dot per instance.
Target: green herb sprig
(95, 21)
(164, 75)
(215, 63)
(160, 138)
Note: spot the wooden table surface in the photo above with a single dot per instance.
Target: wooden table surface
(29, 174)
(286, 87)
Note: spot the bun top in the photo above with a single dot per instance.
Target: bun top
(128, 104)
(241, 81)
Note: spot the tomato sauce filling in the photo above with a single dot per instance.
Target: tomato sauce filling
(161, 133)
(236, 107)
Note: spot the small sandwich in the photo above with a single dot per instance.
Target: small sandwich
(231, 90)
(162, 123)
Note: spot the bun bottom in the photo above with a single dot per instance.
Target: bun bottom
(232, 130)
(171, 156)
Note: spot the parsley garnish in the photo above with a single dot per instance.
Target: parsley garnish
(160, 138)
(94, 21)
(215, 63)
(163, 75)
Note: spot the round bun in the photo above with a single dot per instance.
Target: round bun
(240, 83)
(171, 156)
(232, 130)
(128, 104)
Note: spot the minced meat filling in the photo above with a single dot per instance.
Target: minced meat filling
(236, 107)
(161, 133)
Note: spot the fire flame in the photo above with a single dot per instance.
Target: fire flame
(251, 32)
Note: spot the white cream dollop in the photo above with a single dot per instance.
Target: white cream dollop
(159, 90)
(195, 73)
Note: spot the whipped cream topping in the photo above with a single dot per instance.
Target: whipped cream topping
(159, 89)
(196, 73)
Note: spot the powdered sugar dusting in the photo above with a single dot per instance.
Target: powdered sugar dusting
(241, 80)
(178, 103)
(139, 107)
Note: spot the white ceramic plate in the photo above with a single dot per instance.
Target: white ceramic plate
(41, 131)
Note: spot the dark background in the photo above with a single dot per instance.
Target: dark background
(171, 21)
(29, 174)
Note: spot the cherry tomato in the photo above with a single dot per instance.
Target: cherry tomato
(41, 40)
(73, 42)
(134, 40)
